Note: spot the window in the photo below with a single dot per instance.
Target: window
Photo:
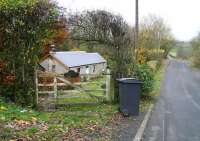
(53, 68)
(87, 71)
(94, 68)
(78, 70)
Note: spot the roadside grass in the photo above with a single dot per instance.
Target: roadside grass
(19, 123)
(158, 77)
(27, 124)
(173, 52)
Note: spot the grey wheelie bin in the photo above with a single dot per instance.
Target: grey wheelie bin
(129, 96)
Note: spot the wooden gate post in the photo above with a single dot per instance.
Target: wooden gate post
(55, 92)
(36, 86)
(55, 87)
(108, 78)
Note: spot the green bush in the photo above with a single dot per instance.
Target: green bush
(195, 51)
(196, 57)
(146, 75)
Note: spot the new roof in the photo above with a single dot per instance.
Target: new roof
(78, 58)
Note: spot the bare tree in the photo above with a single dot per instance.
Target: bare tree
(108, 32)
(155, 34)
(103, 28)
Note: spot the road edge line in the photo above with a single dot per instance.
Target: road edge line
(140, 132)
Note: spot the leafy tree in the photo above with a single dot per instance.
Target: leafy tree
(196, 51)
(155, 34)
(25, 27)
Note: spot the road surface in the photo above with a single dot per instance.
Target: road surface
(176, 116)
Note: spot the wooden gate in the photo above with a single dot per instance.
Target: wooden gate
(53, 90)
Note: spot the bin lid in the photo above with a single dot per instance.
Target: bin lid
(129, 81)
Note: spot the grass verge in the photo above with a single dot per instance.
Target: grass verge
(17, 123)
(158, 77)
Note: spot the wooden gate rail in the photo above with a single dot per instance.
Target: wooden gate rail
(64, 82)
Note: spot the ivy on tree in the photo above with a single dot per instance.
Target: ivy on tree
(26, 26)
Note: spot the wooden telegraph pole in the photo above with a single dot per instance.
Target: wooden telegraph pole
(136, 37)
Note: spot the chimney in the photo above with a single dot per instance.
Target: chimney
(53, 49)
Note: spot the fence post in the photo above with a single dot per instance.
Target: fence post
(36, 86)
(55, 87)
(55, 91)
(108, 78)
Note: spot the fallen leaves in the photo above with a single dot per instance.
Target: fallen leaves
(74, 124)
(34, 120)
(35, 128)
(23, 125)
(19, 124)
(44, 128)
(90, 133)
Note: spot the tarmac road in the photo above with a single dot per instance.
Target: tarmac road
(176, 116)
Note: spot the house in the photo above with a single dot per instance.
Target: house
(79, 61)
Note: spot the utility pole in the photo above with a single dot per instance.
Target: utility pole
(136, 35)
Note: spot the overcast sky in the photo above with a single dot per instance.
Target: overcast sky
(183, 16)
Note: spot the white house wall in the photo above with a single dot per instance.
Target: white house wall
(98, 68)
(45, 64)
(48, 65)
(60, 69)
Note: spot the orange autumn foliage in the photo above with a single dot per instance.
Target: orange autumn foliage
(47, 48)
(6, 78)
(2, 65)
(60, 36)
(9, 79)
(142, 55)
